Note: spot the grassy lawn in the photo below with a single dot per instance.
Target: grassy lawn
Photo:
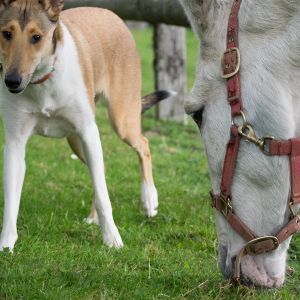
(171, 256)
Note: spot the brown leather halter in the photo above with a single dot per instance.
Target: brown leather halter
(268, 145)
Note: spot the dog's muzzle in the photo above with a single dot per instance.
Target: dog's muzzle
(13, 82)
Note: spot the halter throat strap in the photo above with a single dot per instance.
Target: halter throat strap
(222, 202)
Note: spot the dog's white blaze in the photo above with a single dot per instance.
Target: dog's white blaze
(55, 109)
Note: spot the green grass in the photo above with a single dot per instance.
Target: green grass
(172, 256)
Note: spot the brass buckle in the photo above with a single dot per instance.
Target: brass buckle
(225, 204)
(250, 248)
(238, 65)
(248, 132)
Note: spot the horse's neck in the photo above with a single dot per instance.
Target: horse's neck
(256, 14)
(270, 37)
(268, 16)
(258, 17)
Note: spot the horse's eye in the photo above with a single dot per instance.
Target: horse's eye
(35, 38)
(7, 35)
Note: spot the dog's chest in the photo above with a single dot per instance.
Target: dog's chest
(54, 118)
(50, 125)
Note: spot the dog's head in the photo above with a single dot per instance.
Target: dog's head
(28, 34)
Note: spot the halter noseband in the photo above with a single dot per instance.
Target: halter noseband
(269, 146)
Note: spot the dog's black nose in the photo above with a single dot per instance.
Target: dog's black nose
(13, 81)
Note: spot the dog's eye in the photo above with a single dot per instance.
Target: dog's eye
(35, 38)
(7, 35)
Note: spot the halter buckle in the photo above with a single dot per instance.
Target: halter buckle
(224, 205)
(261, 245)
(231, 61)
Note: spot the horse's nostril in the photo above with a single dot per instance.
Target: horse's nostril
(13, 81)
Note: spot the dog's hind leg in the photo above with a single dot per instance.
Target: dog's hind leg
(125, 115)
(76, 146)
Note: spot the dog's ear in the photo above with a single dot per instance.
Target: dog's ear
(52, 8)
(5, 3)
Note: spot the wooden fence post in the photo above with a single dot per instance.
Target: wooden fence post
(169, 65)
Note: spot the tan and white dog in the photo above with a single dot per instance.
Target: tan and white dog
(54, 65)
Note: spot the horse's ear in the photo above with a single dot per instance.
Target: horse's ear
(52, 8)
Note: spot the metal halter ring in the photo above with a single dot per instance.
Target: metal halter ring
(241, 114)
(266, 141)
(261, 245)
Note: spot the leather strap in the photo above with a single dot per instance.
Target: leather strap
(280, 147)
(295, 171)
(230, 161)
(231, 61)
(225, 208)
(291, 228)
(290, 148)
(237, 266)
(240, 227)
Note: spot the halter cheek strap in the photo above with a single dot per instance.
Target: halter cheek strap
(223, 202)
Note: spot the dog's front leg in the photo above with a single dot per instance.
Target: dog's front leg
(93, 152)
(14, 171)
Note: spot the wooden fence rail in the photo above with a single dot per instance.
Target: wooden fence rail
(152, 11)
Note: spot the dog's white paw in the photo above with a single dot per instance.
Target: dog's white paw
(91, 220)
(93, 217)
(111, 237)
(8, 242)
(149, 199)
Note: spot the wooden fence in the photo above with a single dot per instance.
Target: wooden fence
(152, 11)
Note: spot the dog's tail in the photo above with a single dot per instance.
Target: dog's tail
(152, 99)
